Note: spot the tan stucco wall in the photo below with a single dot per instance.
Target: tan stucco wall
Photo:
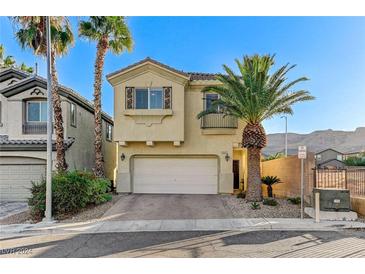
(187, 102)
(288, 170)
(80, 155)
(143, 127)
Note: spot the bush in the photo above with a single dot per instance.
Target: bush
(71, 191)
(241, 195)
(270, 202)
(255, 206)
(355, 161)
(269, 181)
(294, 200)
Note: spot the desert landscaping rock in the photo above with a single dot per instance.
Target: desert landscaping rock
(242, 209)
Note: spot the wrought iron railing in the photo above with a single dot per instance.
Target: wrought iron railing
(218, 120)
(40, 128)
(352, 179)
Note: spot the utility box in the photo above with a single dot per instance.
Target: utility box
(331, 199)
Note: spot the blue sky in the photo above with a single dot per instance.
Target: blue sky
(328, 50)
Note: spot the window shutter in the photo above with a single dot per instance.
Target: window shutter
(129, 97)
(167, 97)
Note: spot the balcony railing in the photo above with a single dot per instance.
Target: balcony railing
(218, 120)
(40, 128)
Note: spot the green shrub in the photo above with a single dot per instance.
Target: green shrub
(255, 206)
(241, 195)
(270, 202)
(355, 161)
(294, 200)
(71, 191)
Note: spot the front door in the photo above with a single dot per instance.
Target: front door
(236, 174)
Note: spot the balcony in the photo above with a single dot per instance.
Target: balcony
(39, 128)
(218, 120)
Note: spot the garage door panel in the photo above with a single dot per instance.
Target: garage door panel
(15, 181)
(175, 175)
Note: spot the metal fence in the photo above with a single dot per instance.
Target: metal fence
(352, 179)
(40, 128)
(218, 120)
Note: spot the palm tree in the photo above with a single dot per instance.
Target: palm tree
(110, 33)
(254, 96)
(8, 61)
(269, 181)
(2, 52)
(25, 68)
(32, 34)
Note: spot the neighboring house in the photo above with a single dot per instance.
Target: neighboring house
(357, 154)
(162, 146)
(23, 132)
(329, 158)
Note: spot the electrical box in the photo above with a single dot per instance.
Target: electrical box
(331, 199)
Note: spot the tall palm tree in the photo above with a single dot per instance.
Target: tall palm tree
(110, 33)
(254, 96)
(32, 34)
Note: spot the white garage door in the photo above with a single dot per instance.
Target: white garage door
(16, 177)
(175, 175)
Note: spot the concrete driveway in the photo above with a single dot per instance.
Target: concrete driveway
(10, 208)
(168, 206)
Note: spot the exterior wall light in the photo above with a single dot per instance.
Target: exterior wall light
(122, 157)
(227, 157)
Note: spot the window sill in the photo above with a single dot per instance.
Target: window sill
(147, 112)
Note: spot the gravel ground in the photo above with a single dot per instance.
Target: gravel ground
(86, 214)
(241, 209)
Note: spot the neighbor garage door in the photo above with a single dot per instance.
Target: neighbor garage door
(16, 175)
(175, 175)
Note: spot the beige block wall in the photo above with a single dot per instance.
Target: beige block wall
(358, 204)
(288, 170)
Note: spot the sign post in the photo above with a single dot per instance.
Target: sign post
(302, 154)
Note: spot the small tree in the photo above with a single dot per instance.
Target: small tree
(269, 181)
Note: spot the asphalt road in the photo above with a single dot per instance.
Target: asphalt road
(189, 244)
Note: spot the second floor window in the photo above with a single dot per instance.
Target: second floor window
(36, 111)
(209, 99)
(73, 115)
(109, 132)
(149, 98)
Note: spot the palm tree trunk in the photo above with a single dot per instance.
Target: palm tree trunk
(61, 164)
(99, 64)
(254, 192)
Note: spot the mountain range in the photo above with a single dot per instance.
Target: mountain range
(343, 141)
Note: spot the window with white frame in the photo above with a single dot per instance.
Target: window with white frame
(73, 115)
(149, 98)
(36, 111)
(109, 132)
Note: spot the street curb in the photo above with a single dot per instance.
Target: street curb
(238, 224)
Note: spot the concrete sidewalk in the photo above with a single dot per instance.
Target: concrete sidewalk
(238, 224)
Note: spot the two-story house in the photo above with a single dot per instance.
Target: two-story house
(23, 116)
(329, 158)
(162, 146)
